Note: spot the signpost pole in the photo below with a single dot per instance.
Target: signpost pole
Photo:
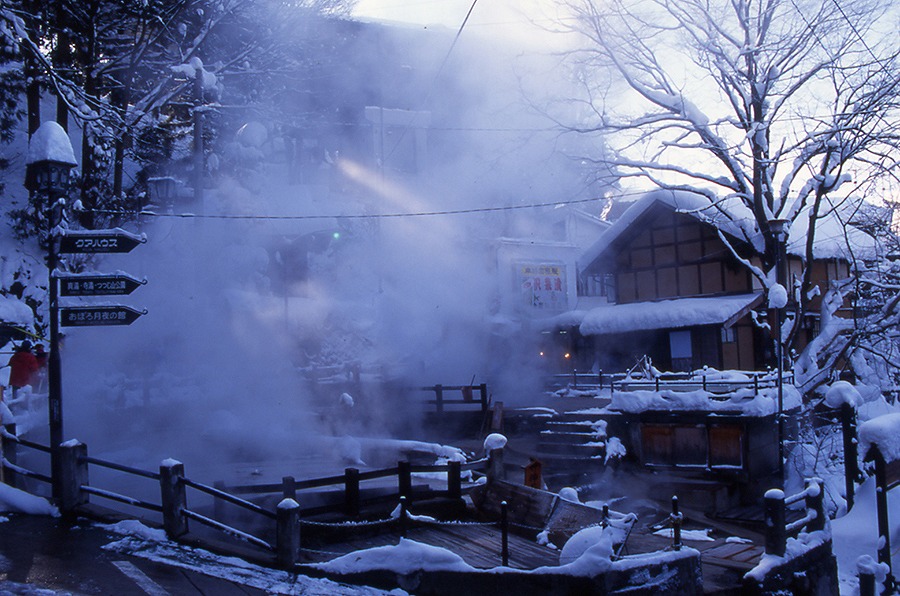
(54, 363)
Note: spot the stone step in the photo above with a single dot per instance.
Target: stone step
(571, 450)
(553, 436)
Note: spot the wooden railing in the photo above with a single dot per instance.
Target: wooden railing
(174, 484)
(777, 528)
(466, 396)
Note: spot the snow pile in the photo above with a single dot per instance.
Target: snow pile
(50, 143)
(406, 557)
(883, 432)
(856, 533)
(794, 548)
(842, 392)
(590, 548)
(743, 402)
(778, 297)
(132, 527)
(569, 494)
(494, 441)
(15, 312)
(18, 501)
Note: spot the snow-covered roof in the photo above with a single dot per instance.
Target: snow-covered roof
(667, 314)
(834, 237)
(744, 402)
(50, 143)
(730, 216)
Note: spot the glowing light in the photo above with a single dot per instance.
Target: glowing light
(541, 354)
(567, 356)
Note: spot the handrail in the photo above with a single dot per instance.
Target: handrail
(220, 494)
(121, 498)
(207, 521)
(120, 467)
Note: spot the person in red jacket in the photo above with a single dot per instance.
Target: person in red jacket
(22, 367)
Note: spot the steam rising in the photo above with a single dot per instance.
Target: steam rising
(239, 308)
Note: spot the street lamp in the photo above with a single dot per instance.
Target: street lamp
(162, 190)
(779, 230)
(50, 161)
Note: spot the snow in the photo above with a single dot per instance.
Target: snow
(493, 442)
(18, 501)
(569, 494)
(778, 297)
(883, 432)
(665, 314)
(50, 143)
(694, 535)
(842, 392)
(406, 557)
(743, 401)
(15, 312)
(856, 534)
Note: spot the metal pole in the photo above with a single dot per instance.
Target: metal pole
(779, 349)
(54, 364)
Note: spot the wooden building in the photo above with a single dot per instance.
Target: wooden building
(675, 289)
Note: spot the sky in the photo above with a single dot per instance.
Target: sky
(517, 20)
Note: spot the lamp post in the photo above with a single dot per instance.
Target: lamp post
(50, 160)
(162, 190)
(779, 230)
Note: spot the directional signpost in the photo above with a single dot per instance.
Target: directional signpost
(94, 241)
(90, 316)
(103, 284)
(115, 240)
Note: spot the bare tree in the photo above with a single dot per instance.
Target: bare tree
(782, 108)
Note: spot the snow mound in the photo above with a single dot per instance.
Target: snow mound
(842, 392)
(494, 441)
(883, 432)
(15, 500)
(406, 557)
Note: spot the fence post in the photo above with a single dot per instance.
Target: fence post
(851, 452)
(73, 471)
(504, 533)
(496, 470)
(605, 521)
(454, 480)
(351, 492)
(815, 501)
(403, 519)
(439, 398)
(865, 570)
(404, 478)
(776, 534)
(287, 533)
(9, 452)
(881, 505)
(174, 498)
(574, 378)
(676, 524)
(600, 379)
(482, 389)
(288, 488)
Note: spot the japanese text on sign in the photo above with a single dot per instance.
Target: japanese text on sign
(543, 286)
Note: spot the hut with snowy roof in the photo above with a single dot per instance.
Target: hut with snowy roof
(667, 280)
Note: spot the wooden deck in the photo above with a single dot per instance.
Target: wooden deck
(478, 545)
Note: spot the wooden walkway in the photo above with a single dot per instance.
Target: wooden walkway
(478, 545)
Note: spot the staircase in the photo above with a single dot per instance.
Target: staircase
(572, 448)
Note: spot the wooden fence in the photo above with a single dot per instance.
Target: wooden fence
(466, 396)
(777, 528)
(174, 484)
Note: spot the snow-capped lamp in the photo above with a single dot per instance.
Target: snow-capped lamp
(162, 190)
(50, 160)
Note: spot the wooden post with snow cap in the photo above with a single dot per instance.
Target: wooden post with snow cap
(776, 533)
(815, 503)
(174, 498)
(878, 438)
(493, 446)
(404, 479)
(851, 451)
(677, 519)
(865, 571)
(73, 471)
(287, 533)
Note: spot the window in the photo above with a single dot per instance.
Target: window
(729, 335)
(700, 445)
